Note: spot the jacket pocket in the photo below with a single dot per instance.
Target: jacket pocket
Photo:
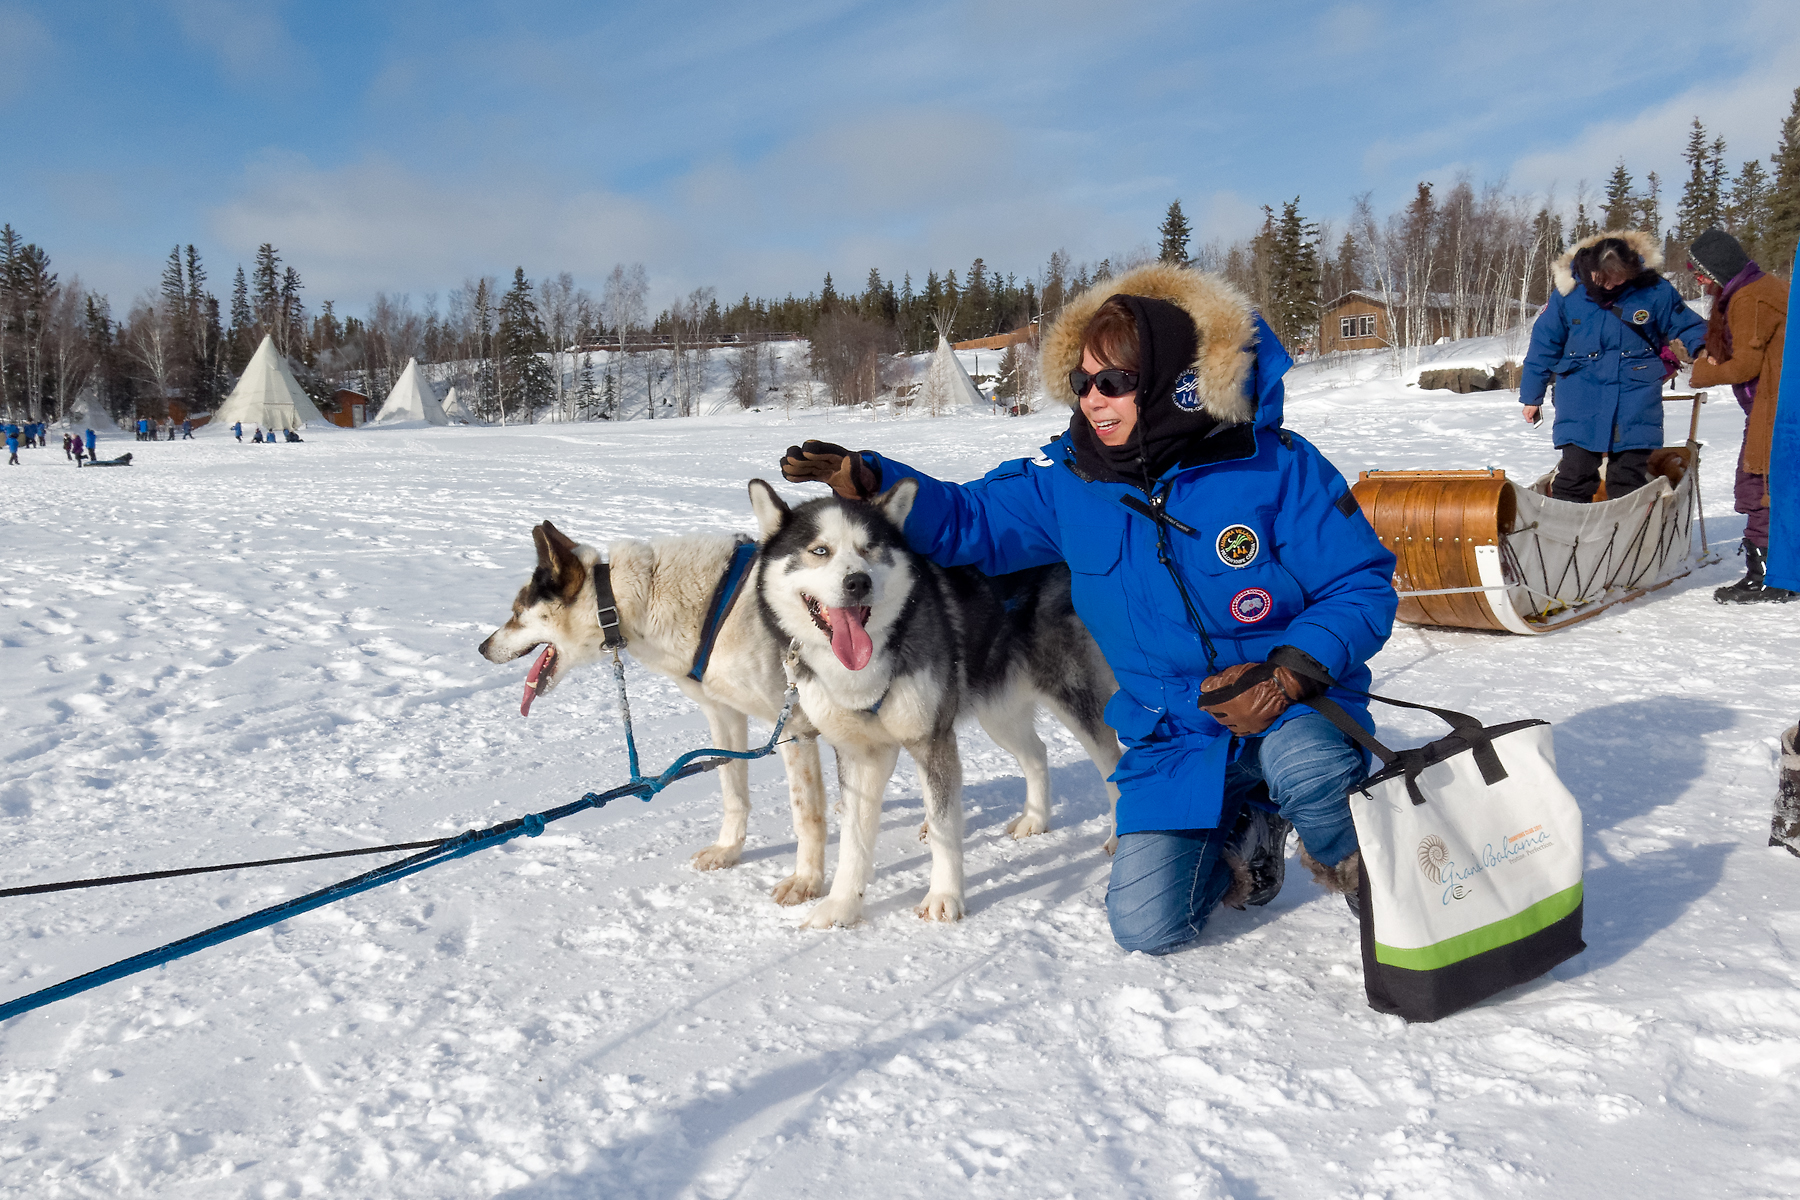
(1092, 549)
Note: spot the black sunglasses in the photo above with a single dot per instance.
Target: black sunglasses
(1112, 382)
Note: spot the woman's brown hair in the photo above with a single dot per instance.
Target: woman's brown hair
(1111, 335)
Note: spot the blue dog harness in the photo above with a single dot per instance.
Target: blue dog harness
(724, 596)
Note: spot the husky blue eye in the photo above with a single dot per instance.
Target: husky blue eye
(821, 550)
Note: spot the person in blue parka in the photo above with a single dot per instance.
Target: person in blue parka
(1601, 338)
(1201, 536)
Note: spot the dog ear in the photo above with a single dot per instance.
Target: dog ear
(896, 503)
(771, 510)
(557, 551)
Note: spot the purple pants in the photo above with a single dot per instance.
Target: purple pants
(1747, 492)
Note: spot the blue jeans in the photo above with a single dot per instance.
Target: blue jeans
(1166, 882)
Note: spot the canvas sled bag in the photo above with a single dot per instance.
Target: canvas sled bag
(1471, 860)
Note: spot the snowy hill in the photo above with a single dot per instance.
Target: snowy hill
(216, 655)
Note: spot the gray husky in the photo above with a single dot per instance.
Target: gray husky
(893, 649)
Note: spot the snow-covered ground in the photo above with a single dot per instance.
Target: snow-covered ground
(229, 652)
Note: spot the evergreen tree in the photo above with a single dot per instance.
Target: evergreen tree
(1783, 232)
(975, 315)
(243, 323)
(1175, 235)
(266, 294)
(1621, 203)
(1699, 203)
(1292, 308)
(1649, 213)
(828, 297)
(1747, 209)
(1584, 223)
(525, 382)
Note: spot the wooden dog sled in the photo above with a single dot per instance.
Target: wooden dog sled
(1476, 550)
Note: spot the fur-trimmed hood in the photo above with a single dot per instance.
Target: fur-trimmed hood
(1647, 246)
(1225, 361)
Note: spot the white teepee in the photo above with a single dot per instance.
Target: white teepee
(88, 413)
(267, 395)
(947, 386)
(457, 412)
(411, 400)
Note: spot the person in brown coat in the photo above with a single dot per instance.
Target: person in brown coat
(1744, 338)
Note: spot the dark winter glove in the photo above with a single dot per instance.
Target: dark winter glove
(847, 472)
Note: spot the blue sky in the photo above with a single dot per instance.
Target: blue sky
(407, 146)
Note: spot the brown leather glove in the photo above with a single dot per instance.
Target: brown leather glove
(846, 472)
(1253, 711)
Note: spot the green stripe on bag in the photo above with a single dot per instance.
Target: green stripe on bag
(1503, 932)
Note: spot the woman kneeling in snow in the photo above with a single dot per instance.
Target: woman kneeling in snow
(1201, 536)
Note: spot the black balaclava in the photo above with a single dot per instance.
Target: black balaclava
(1167, 343)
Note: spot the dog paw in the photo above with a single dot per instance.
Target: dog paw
(714, 858)
(829, 912)
(941, 906)
(1112, 845)
(798, 888)
(1026, 825)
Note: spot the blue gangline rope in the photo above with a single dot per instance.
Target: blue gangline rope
(531, 824)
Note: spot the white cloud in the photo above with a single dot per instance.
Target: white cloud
(24, 44)
(249, 37)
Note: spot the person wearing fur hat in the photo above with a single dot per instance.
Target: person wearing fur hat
(1602, 338)
(1744, 339)
(1204, 540)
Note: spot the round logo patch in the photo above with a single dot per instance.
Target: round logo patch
(1187, 392)
(1640, 316)
(1237, 545)
(1251, 605)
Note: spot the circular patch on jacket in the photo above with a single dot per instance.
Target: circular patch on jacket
(1187, 392)
(1237, 545)
(1640, 316)
(1251, 605)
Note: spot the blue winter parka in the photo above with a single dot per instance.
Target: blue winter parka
(1279, 555)
(1608, 379)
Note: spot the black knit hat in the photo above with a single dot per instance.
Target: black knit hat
(1718, 255)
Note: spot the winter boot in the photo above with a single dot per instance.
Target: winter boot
(1784, 829)
(1259, 845)
(1345, 878)
(1750, 589)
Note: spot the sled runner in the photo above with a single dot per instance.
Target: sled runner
(1476, 550)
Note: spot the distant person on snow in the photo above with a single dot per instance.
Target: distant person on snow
(237, 428)
(1603, 338)
(91, 442)
(12, 445)
(187, 430)
(68, 448)
(1744, 340)
(257, 439)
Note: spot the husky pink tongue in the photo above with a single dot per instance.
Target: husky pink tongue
(849, 640)
(531, 680)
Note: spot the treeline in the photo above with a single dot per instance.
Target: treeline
(1468, 262)
(1457, 261)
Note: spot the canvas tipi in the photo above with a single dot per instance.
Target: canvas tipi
(267, 395)
(411, 400)
(457, 412)
(88, 413)
(947, 386)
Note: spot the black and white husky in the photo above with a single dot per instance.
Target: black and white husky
(893, 649)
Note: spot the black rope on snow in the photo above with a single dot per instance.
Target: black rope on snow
(105, 881)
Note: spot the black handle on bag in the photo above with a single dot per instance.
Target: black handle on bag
(1466, 729)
